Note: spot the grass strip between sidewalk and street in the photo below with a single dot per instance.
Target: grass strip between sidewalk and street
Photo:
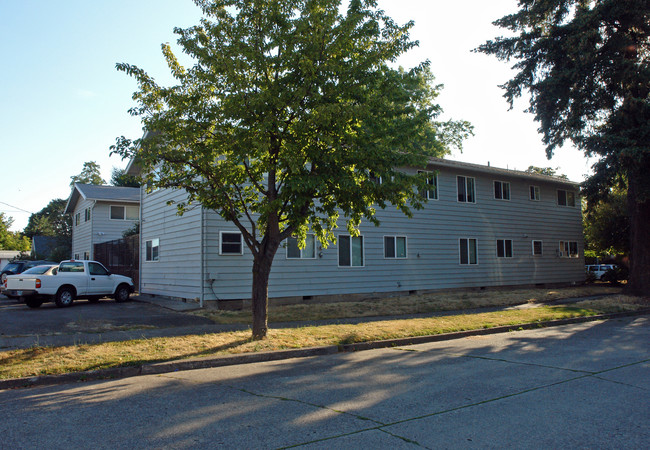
(58, 360)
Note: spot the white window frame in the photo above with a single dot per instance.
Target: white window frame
(363, 251)
(468, 263)
(86, 256)
(564, 249)
(77, 219)
(532, 249)
(466, 184)
(502, 185)
(87, 214)
(395, 238)
(430, 176)
(241, 243)
(155, 243)
(125, 216)
(302, 255)
(534, 193)
(566, 198)
(76, 256)
(505, 248)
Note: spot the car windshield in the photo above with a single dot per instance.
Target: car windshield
(39, 270)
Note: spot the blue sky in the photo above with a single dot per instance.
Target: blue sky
(63, 102)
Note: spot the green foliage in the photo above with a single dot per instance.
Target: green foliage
(606, 224)
(133, 231)
(89, 175)
(288, 110)
(291, 111)
(551, 172)
(50, 221)
(12, 240)
(586, 65)
(119, 177)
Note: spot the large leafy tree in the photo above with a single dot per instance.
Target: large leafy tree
(11, 240)
(585, 64)
(90, 174)
(292, 111)
(50, 221)
(119, 177)
(606, 224)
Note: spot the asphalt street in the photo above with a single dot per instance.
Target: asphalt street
(583, 385)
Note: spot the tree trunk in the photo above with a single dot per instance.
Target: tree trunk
(639, 208)
(260, 295)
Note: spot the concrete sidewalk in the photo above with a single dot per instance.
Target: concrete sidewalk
(583, 385)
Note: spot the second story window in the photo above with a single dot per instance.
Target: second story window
(77, 219)
(466, 189)
(87, 215)
(124, 212)
(502, 190)
(431, 191)
(566, 198)
(534, 193)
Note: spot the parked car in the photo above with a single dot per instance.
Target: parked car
(74, 279)
(16, 267)
(32, 277)
(598, 270)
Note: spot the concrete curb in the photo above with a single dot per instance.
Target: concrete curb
(248, 358)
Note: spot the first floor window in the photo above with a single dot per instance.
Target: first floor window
(431, 180)
(467, 250)
(504, 248)
(125, 212)
(502, 190)
(309, 252)
(466, 191)
(534, 193)
(394, 246)
(350, 251)
(151, 250)
(566, 198)
(76, 256)
(537, 248)
(231, 243)
(86, 255)
(568, 249)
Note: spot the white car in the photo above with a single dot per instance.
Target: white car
(28, 280)
(73, 279)
(598, 270)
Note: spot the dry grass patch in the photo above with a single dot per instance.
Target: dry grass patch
(57, 360)
(411, 304)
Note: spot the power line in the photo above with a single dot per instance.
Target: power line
(17, 208)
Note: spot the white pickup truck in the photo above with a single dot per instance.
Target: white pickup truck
(72, 280)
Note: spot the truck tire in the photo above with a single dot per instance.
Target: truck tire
(122, 293)
(64, 297)
(33, 302)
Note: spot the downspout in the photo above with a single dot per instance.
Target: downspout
(140, 243)
(201, 298)
(91, 255)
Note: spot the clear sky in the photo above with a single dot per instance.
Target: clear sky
(63, 102)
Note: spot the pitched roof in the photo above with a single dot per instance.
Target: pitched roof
(101, 193)
(440, 162)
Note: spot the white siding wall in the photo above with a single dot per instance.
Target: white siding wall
(100, 228)
(433, 247)
(82, 233)
(177, 273)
